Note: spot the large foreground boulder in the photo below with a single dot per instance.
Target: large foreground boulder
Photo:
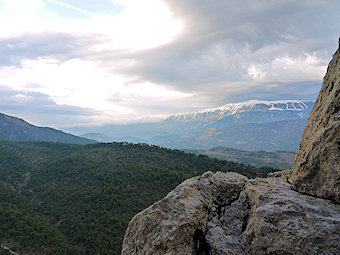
(169, 225)
(316, 170)
(235, 216)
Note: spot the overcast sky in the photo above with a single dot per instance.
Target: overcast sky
(82, 62)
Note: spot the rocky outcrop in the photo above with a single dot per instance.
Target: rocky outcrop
(316, 170)
(235, 216)
(169, 225)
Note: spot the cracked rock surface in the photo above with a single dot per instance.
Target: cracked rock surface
(224, 229)
(168, 226)
(260, 216)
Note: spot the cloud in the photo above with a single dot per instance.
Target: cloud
(152, 57)
(80, 83)
(39, 109)
(67, 59)
(224, 40)
(285, 68)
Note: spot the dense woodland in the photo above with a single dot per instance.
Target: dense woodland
(60, 198)
(275, 159)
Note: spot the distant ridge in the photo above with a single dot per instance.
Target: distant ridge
(16, 129)
(250, 125)
(217, 113)
(272, 136)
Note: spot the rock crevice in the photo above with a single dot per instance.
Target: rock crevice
(169, 225)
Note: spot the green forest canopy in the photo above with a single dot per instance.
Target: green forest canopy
(60, 198)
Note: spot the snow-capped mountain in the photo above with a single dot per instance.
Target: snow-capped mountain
(214, 114)
(253, 111)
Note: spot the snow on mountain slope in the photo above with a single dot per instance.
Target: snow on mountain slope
(215, 114)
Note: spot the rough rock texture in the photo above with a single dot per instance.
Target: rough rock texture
(283, 221)
(168, 226)
(260, 216)
(224, 228)
(316, 170)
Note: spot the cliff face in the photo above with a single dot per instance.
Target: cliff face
(316, 170)
(225, 213)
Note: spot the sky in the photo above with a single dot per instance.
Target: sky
(67, 63)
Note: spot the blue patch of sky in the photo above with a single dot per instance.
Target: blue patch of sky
(82, 9)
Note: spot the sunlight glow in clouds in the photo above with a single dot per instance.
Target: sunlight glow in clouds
(141, 25)
(80, 82)
(307, 67)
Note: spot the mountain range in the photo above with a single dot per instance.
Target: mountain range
(250, 125)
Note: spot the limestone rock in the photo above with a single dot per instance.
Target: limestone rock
(316, 170)
(283, 221)
(168, 226)
(260, 216)
(224, 230)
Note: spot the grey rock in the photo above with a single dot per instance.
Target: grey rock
(224, 231)
(316, 169)
(283, 221)
(284, 174)
(169, 225)
(260, 216)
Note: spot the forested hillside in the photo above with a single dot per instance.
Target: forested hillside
(276, 159)
(15, 129)
(70, 199)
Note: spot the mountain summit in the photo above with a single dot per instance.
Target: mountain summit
(253, 111)
(251, 105)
